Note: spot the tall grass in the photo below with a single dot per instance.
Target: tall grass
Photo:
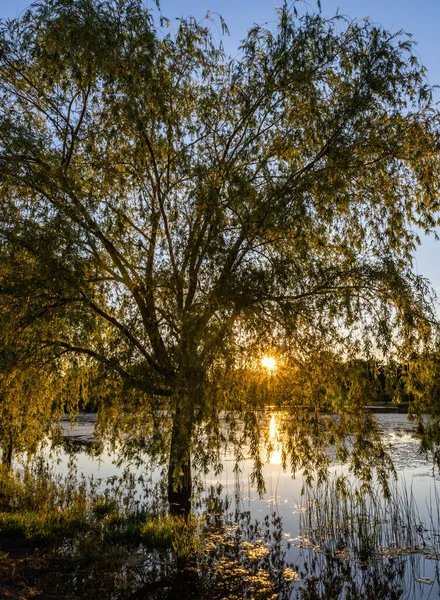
(345, 522)
(355, 545)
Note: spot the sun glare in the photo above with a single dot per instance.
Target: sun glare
(269, 363)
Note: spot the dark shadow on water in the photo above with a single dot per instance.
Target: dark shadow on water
(330, 578)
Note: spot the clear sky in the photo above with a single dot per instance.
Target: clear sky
(421, 18)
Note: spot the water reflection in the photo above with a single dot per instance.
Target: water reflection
(275, 455)
(323, 566)
(330, 578)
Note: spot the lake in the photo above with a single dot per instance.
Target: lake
(346, 546)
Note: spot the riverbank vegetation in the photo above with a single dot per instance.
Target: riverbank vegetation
(69, 538)
(64, 538)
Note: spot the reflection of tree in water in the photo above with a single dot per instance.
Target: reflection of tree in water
(332, 578)
(350, 547)
(236, 557)
(353, 547)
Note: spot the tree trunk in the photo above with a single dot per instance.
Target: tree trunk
(179, 466)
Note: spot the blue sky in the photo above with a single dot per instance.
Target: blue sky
(418, 17)
(421, 18)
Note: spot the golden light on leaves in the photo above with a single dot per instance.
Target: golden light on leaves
(269, 363)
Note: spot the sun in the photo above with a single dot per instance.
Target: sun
(269, 363)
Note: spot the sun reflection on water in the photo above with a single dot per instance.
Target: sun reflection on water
(275, 456)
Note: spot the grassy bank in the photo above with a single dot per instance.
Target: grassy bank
(63, 538)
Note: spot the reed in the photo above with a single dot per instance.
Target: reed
(344, 521)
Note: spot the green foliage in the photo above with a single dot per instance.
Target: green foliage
(170, 215)
(72, 523)
(38, 508)
(180, 534)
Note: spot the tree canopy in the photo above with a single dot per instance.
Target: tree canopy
(187, 212)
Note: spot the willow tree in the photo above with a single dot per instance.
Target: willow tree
(191, 212)
(37, 385)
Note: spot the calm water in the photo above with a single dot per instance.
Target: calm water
(409, 575)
